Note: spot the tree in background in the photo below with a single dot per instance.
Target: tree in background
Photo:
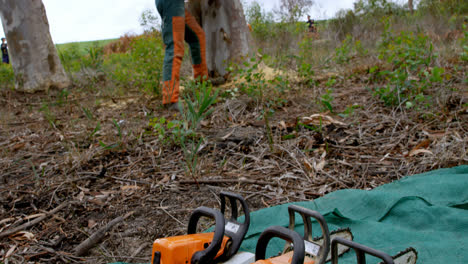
(149, 21)
(294, 10)
(411, 6)
(376, 8)
(34, 58)
(227, 34)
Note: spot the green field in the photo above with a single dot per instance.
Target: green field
(82, 47)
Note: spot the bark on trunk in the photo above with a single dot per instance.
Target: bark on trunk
(33, 55)
(411, 6)
(227, 34)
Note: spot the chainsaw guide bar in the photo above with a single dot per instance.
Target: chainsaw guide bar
(407, 256)
(343, 233)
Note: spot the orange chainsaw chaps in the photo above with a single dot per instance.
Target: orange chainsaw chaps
(283, 259)
(180, 249)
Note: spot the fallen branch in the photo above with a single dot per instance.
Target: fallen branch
(95, 238)
(33, 222)
(224, 181)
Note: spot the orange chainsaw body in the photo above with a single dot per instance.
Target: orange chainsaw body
(283, 259)
(180, 249)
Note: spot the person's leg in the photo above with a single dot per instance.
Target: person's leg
(173, 19)
(195, 37)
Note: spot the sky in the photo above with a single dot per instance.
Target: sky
(86, 20)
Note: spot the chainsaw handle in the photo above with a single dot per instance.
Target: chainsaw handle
(360, 250)
(234, 229)
(207, 256)
(285, 234)
(306, 215)
(233, 198)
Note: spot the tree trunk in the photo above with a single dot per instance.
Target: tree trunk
(33, 55)
(411, 6)
(227, 34)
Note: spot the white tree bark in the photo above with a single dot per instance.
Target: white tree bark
(33, 55)
(227, 34)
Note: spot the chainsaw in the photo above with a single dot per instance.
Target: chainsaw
(306, 249)
(408, 256)
(222, 245)
(206, 248)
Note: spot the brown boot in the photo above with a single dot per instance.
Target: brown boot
(172, 107)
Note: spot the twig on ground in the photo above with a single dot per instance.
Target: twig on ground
(95, 238)
(33, 222)
(133, 256)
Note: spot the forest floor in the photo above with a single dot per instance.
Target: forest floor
(93, 156)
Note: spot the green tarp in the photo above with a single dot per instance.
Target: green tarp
(428, 212)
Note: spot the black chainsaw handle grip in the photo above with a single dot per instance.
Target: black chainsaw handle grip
(360, 250)
(306, 215)
(207, 256)
(285, 234)
(233, 197)
(238, 230)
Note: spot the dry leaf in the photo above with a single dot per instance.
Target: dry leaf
(18, 146)
(421, 148)
(320, 165)
(321, 119)
(228, 135)
(322, 162)
(33, 216)
(80, 196)
(97, 202)
(23, 236)
(205, 123)
(324, 189)
(91, 223)
(10, 252)
(86, 190)
(419, 151)
(435, 134)
(424, 144)
(101, 197)
(166, 179)
(6, 220)
(129, 188)
(308, 165)
(282, 125)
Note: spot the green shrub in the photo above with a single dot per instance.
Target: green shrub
(410, 57)
(260, 21)
(447, 8)
(344, 23)
(70, 56)
(344, 52)
(251, 80)
(372, 9)
(141, 67)
(77, 56)
(365, 19)
(7, 76)
(464, 44)
(94, 58)
(148, 54)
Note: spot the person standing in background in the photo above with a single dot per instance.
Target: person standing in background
(311, 23)
(179, 25)
(5, 57)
